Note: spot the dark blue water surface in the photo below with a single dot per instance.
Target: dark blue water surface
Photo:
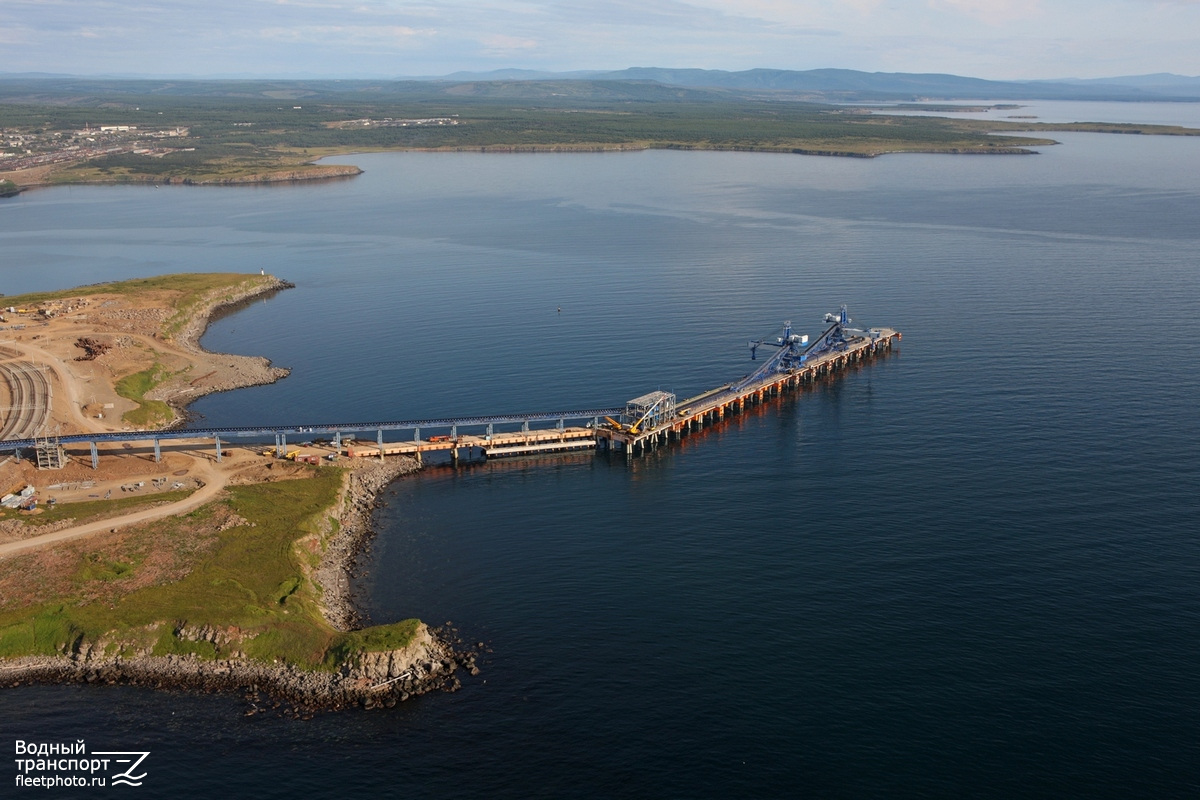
(969, 569)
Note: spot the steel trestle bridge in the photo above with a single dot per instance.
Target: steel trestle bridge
(334, 429)
(643, 423)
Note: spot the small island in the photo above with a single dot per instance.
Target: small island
(185, 572)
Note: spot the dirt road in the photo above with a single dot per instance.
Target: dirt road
(214, 482)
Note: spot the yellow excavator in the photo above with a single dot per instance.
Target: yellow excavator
(619, 427)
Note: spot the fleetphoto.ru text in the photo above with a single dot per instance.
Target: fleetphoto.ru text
(47, 765)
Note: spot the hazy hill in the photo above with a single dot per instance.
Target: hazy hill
(1160, 83)
(890, 85)
(854, 85)
(634, 85)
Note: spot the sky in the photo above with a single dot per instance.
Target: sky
(995, 39)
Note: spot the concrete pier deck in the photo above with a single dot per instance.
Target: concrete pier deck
(712, 406)
(514, 443)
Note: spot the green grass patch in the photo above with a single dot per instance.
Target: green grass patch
(382, 637)
(377, 639)
(287, 589)
(251, 583)
(98, 568)
(134, 387)
(297, 642)
(39, 632)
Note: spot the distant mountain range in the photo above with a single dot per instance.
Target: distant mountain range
(857, 85)
(644, 84)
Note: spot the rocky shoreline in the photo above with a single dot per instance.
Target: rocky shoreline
(430, 661)
(319, 172)
(39, 178)
(372, 680)
(363, 482)
(378, 679)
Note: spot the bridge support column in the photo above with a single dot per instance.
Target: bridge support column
(525, 426)
(416, 434)
(489, 433)
(561, 424)
(379, 440)
(157, 451)
(95, 456)
(217, 439)
(454, 432)
(337, 441)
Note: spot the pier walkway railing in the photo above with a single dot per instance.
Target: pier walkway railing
(336, 430)
(645, 423)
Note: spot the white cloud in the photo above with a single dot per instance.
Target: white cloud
(993, 12)
(501, 45)
(987, 38)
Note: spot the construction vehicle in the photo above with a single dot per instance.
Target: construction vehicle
(617, 426)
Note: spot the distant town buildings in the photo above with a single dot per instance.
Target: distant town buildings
(23, 149)
(388, 122)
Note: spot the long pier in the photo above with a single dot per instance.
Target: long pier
(712, 406)
(643, 424)
(343, 435)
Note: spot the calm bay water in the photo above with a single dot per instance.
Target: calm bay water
(967, 569)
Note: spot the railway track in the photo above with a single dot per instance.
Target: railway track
(29, 400)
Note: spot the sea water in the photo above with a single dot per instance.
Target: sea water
(968, 568)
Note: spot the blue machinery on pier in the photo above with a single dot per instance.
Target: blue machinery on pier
(644, 423)
(657, 419)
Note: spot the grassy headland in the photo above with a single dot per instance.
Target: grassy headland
(185, 291)
(229, 580)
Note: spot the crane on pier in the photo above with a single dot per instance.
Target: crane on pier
(795, 349)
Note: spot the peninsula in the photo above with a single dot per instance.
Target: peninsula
(79, 131)
(183, 572)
